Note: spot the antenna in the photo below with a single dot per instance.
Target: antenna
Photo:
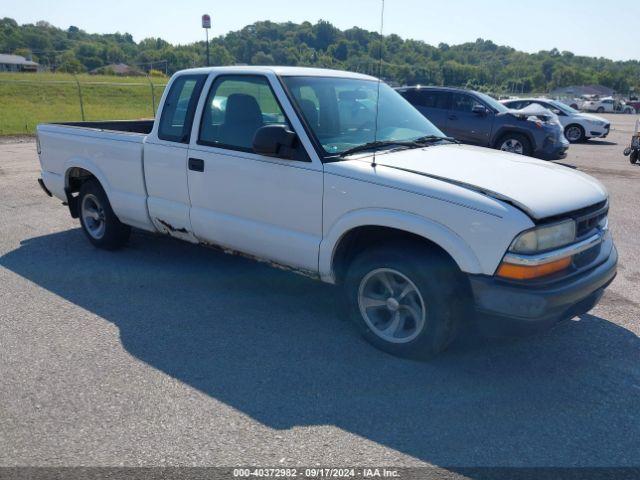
(375, 131)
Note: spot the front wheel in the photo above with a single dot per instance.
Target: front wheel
(403, 299)
(100, 224)
(633, 156)
(515, 143)
(600, 110)
(575, 134)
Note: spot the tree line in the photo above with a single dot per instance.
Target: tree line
(481, 65)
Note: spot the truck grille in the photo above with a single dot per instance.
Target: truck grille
(587, 224)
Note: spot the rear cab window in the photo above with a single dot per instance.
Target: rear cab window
(179, 107)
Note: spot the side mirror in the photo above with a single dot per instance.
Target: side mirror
(274, 141)
(479, 110)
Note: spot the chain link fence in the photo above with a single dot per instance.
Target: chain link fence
(29, 99)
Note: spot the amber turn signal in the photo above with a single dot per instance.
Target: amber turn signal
(528, 272)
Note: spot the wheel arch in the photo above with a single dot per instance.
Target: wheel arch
(506, 130)
(76, 172)
(367, 227)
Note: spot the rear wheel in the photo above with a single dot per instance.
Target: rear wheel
(100, 224)
(403, 299)
(574, 133)
(515, 143)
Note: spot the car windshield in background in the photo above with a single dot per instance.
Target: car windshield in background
(341, 112)
(492, 102)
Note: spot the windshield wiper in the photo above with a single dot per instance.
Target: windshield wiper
(379, 144)
(433, 139)
(417, 143)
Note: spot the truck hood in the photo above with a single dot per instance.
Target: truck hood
(541, 189)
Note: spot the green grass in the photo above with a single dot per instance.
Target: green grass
(27, 99)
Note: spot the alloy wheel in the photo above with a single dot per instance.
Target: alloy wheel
(93, 216)
(513, 146)
(391, 305)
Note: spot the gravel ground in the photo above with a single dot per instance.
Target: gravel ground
(170, 354)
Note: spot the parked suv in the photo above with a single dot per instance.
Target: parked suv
(476, 118)
(578, 126)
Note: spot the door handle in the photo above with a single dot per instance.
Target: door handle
(196, 164)
(453, 117)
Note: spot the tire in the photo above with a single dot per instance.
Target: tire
(427, 317)
(575, 133)
(99, 223)
(600, 110)
(633, 156)
(515, 143)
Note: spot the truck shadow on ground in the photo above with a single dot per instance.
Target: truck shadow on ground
(272, 345)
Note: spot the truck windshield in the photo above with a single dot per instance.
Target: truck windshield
(341, 112)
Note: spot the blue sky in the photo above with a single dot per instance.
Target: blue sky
(586, 27)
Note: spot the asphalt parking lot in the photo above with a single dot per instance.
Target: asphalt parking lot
(166, 353)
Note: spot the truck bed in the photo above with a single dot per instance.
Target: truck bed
(112, 150)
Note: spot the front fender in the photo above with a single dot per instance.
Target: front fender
(513, 127)
(439, 234)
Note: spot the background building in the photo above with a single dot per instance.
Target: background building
(16, 63)
(578, 91)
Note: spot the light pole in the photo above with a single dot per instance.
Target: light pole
(206, 24)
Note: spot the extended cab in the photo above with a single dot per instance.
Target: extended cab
(335, 175)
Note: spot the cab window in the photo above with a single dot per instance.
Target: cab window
(236, 107)
(179, 107)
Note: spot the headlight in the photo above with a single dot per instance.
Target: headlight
(524, 262)
(545, 238)
(540, 122)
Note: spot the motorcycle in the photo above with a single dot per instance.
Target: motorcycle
(633, 150)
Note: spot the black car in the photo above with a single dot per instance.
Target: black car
(475, 118)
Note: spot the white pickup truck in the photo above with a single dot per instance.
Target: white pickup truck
(298, 167)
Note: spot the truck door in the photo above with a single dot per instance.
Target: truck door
(264, 206)
(165, 158)
(470, 121)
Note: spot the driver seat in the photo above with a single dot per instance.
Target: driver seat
(243, 118)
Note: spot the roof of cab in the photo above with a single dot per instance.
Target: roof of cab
(281, 71)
